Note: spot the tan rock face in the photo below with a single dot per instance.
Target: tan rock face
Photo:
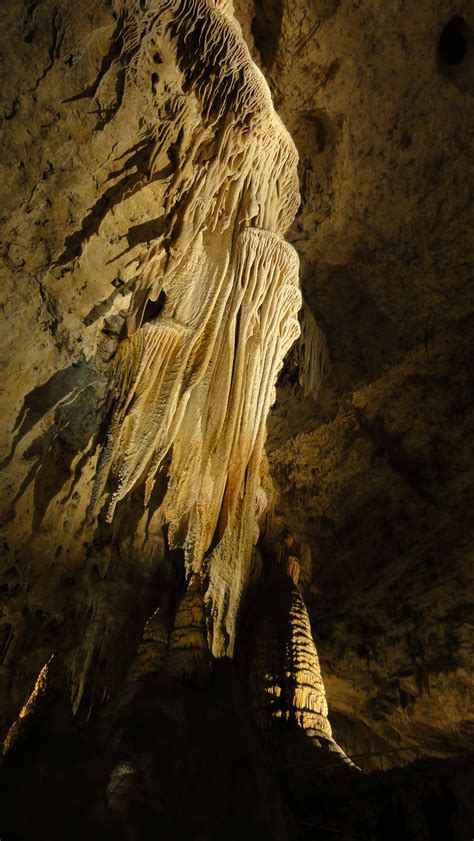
(375, 478)
(149, 298)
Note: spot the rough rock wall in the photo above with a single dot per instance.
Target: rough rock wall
(375, 477)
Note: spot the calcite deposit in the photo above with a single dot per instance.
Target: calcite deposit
(175, 363)
(236, 420)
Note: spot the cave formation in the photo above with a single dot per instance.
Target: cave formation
(237, 420)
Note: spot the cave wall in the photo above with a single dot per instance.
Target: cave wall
(134, 205)
(374, 477)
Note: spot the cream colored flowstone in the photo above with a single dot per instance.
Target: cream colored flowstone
(193, 378)
(192, 387)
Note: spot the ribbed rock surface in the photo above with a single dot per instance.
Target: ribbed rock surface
(285, 675)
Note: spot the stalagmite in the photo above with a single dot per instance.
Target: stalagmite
(285, 674)
(286, 686)
(152, 650)
(30, 708)
(188, 656)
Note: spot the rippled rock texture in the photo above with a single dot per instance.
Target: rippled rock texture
(208, 209)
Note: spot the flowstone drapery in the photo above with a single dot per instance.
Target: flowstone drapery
(192, 385)
(213, 314)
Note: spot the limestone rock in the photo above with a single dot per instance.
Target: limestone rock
(151, 242)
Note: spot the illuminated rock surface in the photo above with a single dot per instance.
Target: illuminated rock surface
(159, 673)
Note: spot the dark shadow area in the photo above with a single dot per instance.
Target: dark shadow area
(177, 762)
(135, 172)
(105, 306)
(153, 308)
(455, 58)
(145, 232)
(266, 29)
(453, 42)
(74, 394)
(162, 760)
(40, 400)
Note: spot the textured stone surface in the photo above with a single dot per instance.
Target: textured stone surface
(164, 300)
(146, 187)
(284, 673)
(375, 478)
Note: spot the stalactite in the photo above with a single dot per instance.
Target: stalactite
(86, 657)
(313, 354)
(192, 387)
